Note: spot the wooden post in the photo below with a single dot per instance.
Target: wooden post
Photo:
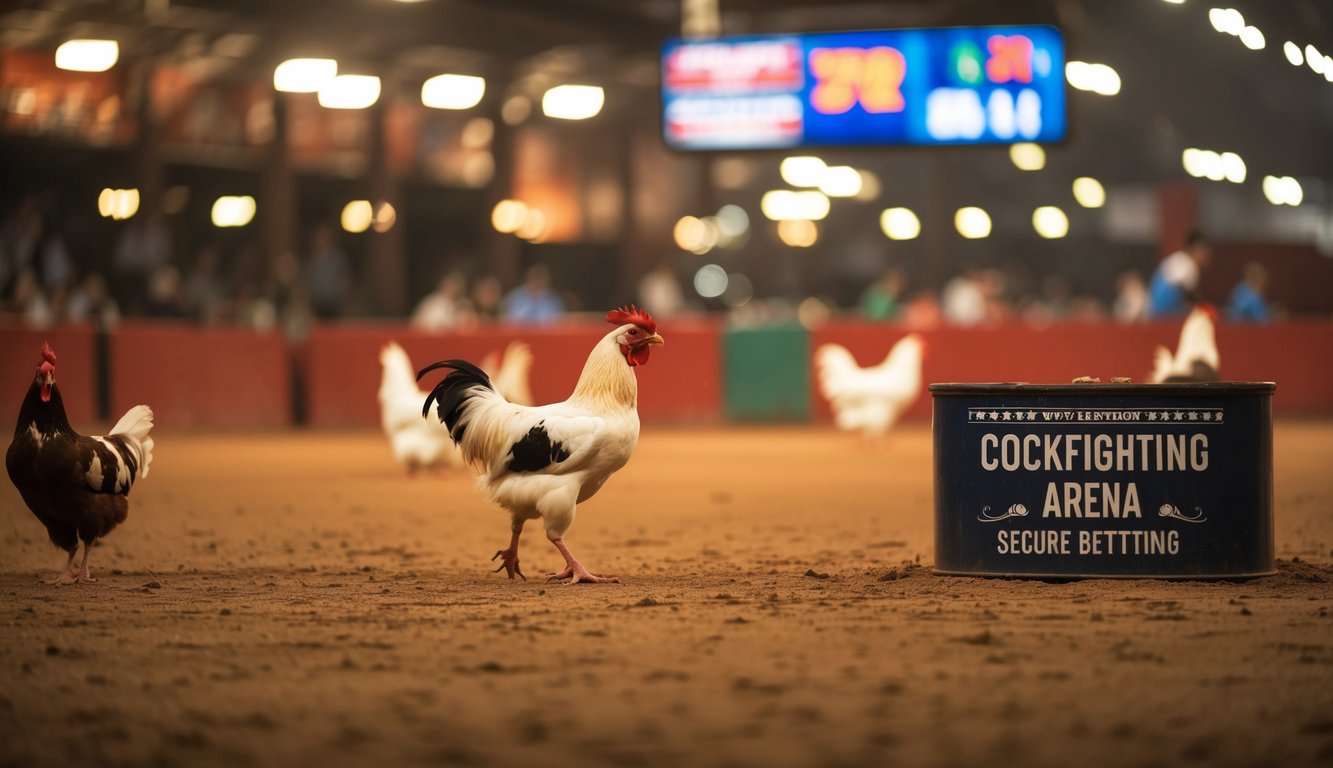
(387, 269)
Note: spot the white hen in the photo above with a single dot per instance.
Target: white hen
(420, 443)
(1196, 357)
(870, 399)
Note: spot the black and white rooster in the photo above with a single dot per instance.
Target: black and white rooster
(543, 461)
(77, 486)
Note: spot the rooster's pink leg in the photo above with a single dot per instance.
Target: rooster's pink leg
(67, 575)
(574, 570)
(84, 575)
(509, 564)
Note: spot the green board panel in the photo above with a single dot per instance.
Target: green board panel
(766, 374)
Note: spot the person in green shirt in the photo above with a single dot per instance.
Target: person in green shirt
(881, 300)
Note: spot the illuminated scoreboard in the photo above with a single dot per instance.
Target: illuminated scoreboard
(963, 85)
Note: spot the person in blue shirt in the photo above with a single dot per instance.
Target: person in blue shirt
(1247, 303)
(1174, 286)
(533, 302)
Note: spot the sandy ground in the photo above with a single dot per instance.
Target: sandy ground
(292, 599)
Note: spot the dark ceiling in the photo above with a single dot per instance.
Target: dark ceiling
(1184, 84)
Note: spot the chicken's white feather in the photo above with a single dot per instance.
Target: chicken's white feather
(417, 442)
(134, 426)
(1197, 346)
(870, 399)
(425, 442)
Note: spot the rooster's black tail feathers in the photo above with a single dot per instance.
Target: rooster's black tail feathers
(453, 392)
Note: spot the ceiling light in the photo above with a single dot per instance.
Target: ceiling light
(350, 92)
(573, 102)
(453, 91)
(304, 75)
(87, 55)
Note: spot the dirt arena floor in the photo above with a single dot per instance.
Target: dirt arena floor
(293, 599)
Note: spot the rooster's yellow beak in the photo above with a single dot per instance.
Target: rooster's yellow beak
(655, 339)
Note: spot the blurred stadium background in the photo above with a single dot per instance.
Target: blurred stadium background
(185, 210)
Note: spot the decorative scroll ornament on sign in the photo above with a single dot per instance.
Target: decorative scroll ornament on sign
(1173, 512)
(1015, 510)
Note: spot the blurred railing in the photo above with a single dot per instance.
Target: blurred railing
(240, 379)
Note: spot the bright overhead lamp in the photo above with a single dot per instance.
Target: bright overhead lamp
(87, 55)
(1089, 192)
(118, 204)
(1050, 222)
(1283, 190)
(1027, 156)
(356, 216)
(573, 102)
(840, 181)
(899, 224)
(453, 91)
(1252, 38)
(508, 215)
(350, 92)
(803, 171)
(972, 223)
(233, 211)
(304, 75)
(1293, 53)
(786, 204)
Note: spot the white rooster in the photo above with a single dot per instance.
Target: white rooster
(870, 399)
(541, 462)
(420, 443)
(1196, 358)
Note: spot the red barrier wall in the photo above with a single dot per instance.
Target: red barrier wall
(682, 381)
(20, 354)
(201, 377)
(1298, 356)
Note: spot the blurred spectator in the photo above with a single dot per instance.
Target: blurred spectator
(1175, 284)
(295, 316)
(993, 291)
(254, 310)
(166, 296)
(533, 302)
(445, 307)
(660, 291)
(487, 297)
(328, 274)
(90, 303)
(1247, 303)
(922, 312)
(1131, 298)
(52, 258)
(18, 242)
(963, 300)
(1054, 304)
(203, 287)
(29, 302)
(144, 246)
(881, 300)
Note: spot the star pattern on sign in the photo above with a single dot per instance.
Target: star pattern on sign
(1207, 416)
(1180, 416)
(1194, 415)
(1007, 416)
(994, 415)
(1032, 415)
(980, 415)
(1018, 415)
(1217, 416)
(1152, 415)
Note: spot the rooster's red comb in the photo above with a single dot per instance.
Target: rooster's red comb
(632, 314)
(48, 354)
